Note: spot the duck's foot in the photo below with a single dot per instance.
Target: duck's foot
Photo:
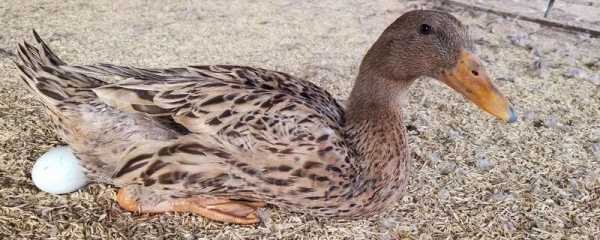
(135, 199)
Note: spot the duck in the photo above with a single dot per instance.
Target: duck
(224, 141)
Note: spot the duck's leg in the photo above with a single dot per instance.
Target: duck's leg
(135, 199)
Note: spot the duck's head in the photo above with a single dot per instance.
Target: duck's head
(434, 44)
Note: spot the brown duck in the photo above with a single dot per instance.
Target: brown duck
(222, 141)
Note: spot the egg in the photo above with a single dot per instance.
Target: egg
(58, 171)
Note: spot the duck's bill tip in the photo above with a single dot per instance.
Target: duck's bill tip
(513, 115)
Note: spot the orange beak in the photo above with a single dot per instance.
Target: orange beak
(470, 79)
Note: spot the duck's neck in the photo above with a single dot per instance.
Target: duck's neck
(375, 130)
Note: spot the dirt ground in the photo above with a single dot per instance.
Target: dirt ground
(473, 176)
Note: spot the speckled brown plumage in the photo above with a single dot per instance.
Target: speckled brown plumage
(245, 133)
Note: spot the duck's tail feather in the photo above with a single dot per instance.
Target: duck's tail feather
(44, 74)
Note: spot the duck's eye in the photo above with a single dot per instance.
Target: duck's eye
(425, 29)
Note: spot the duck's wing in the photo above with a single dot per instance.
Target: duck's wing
(206, 98)
(240, 122)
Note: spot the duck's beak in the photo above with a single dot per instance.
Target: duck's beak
(470, 79)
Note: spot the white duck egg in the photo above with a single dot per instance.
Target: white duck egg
(58, 171)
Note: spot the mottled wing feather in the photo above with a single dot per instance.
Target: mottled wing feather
(203, 98)
(273, 127)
